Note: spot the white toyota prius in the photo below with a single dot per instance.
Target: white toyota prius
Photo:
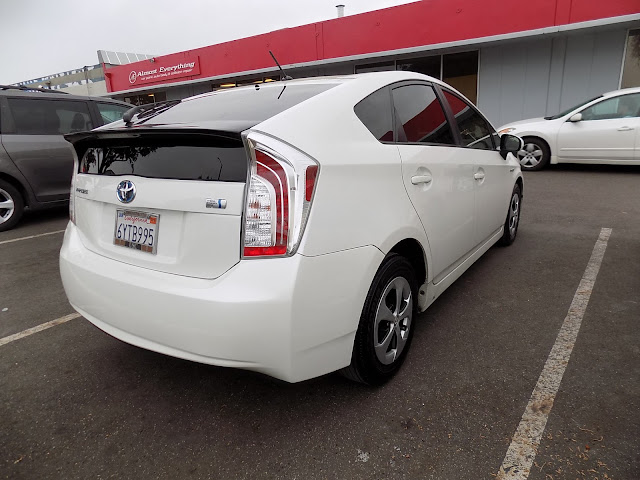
(293, 228)
(605, 129)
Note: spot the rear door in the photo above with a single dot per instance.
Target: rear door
(608, 131)
(437, 174)
(166, 201)
(491, 173)
(33, 139)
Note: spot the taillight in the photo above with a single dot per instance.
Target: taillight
(279, 195)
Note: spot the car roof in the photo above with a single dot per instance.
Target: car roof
(239, 108)
(622, 91)
(53, 95)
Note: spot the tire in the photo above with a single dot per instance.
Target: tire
(513, 217)
(386, 327)
(535, 155)
(11, 206)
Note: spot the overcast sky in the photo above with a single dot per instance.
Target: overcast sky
(42, 37)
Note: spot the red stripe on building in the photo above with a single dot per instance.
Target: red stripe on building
(427, 22)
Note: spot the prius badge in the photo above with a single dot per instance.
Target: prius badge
(126, 191)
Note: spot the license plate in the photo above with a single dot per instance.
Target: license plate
(137, 230)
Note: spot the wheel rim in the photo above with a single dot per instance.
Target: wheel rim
(7, 206)
(530, 155)
(393, 320)
(514, 214)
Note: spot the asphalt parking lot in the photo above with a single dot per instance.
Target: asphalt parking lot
(76, 403)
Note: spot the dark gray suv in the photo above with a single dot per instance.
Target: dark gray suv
(36, 161)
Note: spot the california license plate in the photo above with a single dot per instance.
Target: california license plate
(137, 230)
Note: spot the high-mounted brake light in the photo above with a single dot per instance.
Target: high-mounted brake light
(279, 196)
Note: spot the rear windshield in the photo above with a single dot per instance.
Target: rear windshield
(249, 105)
(178, 158)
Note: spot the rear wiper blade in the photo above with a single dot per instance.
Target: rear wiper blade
(147, 111)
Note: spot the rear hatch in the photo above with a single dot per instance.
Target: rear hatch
(170, 201)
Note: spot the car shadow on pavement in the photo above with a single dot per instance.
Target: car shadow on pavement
(577, 167)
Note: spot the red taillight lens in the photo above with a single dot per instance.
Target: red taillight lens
(310, 181)
(264, 251)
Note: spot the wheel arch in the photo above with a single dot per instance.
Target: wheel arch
(412, 250)
(539, 137)
(17, 184)
(520, 183)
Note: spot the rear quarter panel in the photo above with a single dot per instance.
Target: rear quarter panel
(360, 197)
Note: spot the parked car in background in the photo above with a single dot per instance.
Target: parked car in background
(35, 160)
(293, 228)
(605, 129)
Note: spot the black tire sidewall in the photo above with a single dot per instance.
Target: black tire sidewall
(507, 239)
(18, 205)
(546, 154)
(369, 368)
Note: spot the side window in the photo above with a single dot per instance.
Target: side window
(48, 117)
(619, 107)
(474, 130)
(111, 112)
(375, 112)
(420, 115)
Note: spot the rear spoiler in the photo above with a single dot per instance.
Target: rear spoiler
(137, 132)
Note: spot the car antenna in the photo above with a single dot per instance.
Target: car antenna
(284, 76)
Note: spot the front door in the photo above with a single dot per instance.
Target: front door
(492, 174)
(608, 131)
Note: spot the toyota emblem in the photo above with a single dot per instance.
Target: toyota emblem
(126, 191)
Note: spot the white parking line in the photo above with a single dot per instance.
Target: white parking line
(30, 236)
(36, 329)
(524, 445)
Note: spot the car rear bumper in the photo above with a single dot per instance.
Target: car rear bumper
(292, 318)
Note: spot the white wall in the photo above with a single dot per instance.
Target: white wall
(535, 78)
(91, 88)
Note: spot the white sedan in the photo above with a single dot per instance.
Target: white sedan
(605, 129)
(293, 228)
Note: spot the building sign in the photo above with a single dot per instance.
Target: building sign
(162, 71)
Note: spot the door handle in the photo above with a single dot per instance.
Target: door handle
(625, 129)
(478, 175)
(416, 179)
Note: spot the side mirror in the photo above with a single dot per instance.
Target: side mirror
(510, 144)
(576, 118)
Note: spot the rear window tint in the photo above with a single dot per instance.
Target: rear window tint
(251, 105)
(421, 117)
(180, 159)
(375, 112)
(48, 117)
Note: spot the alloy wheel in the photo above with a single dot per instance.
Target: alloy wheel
(530, 155)
(514, 213)
(7, 206)
(393, 320)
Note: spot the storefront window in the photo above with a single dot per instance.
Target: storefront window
(375, 67)
(426, 65)
(631, 68)
(460, 70)
(146, 98)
